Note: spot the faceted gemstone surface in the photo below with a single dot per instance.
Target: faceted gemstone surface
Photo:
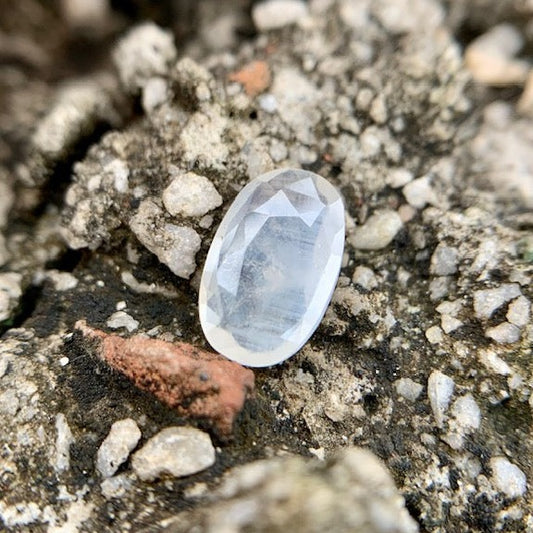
(272, 267)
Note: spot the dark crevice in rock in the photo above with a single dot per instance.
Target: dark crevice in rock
(61, 174)
(26, 308)
(67, 262)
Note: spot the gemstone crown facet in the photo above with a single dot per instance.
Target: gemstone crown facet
(272, 267)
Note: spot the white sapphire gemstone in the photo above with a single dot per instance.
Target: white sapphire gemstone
(272, 267)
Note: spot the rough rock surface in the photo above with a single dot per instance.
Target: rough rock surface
(351, 492)
(424, 356)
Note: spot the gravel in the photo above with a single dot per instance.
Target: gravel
(423, 357)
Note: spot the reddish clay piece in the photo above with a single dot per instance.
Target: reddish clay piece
(194, 382)
(254, 77)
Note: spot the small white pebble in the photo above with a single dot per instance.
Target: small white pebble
(407, 213)
(175, 451)
(486, 301)
(268, 103)
(120, 319)
(63, 281)
(449, 323)
(440, 390)
(116, 447)
(319, 453)
(274, 14)
(115, 487)
(190, 195)
(377, 232)
(490, 57)
(434, 335)
(378, 110)
(64, 361)
(490, 360)
(155, 93)
(515, 381)
(206, 221)
(518, 312)
(451, 308)
(365, 277)
(444, 260)
(120, 172)
(399, 177)
(507, 477)
(408, 389)
(466, 412)
(503, 333)
(370, 143)
(419, 193)
(120, 306)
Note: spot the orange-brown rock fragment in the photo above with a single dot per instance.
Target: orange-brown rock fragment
(254, 77)
(193, 382)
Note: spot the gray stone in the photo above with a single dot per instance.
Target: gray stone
(115, 449)
(487, 301)
(518, 312)
(444, 260)
(175, 452)
(503, 333)
(408, 388)
(175, 246)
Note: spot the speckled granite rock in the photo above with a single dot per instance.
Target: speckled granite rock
(374, 96)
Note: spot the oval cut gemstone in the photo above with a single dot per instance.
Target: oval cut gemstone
(272, 267)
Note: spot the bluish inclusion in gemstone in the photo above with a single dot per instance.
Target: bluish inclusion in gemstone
(272, 267)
